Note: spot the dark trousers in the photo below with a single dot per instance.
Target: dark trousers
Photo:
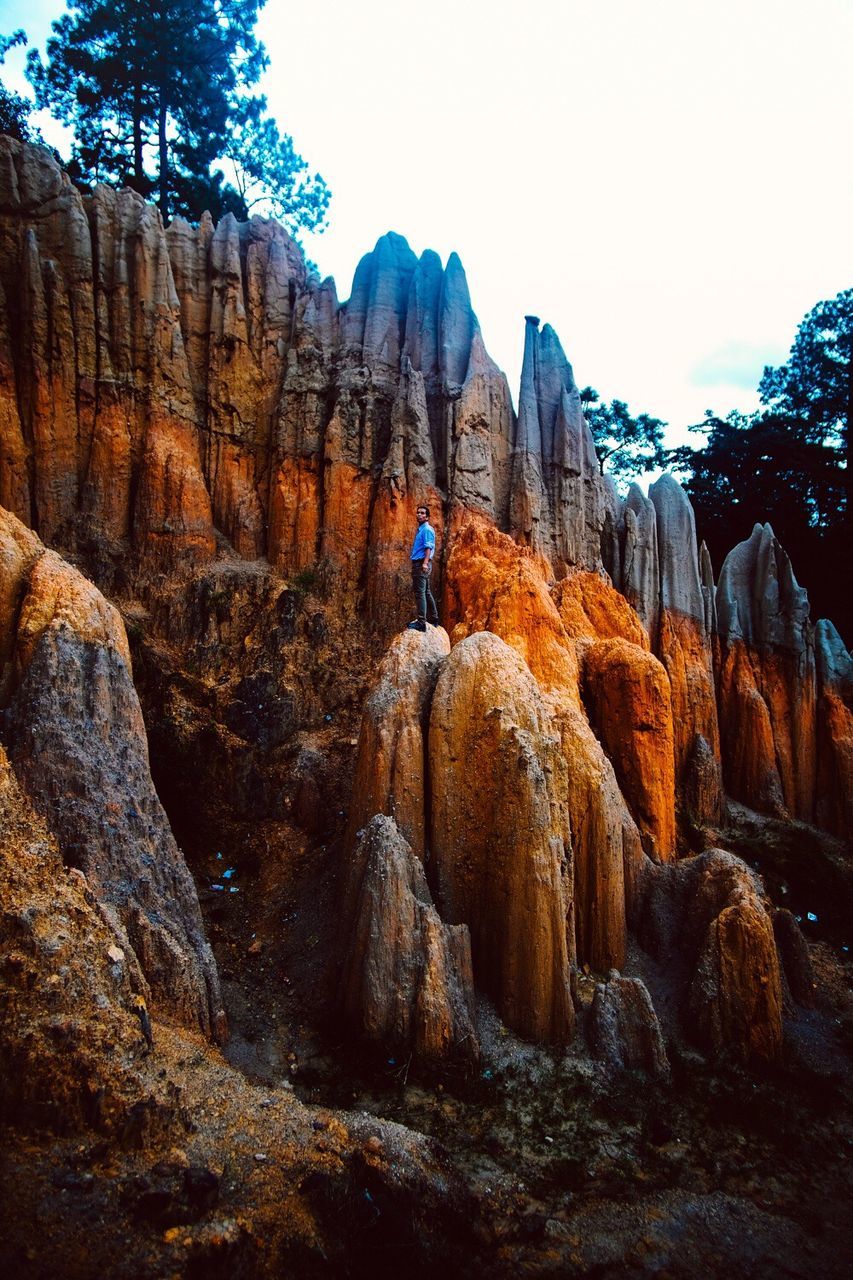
(425, 606)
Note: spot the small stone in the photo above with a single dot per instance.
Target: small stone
(255, 948)
(374, 1145)
(260, 1157)
(115, 955)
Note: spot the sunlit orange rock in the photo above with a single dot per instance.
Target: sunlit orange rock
(684, 648)
(493, 584)
(391, 767)
(766, 680)
(628, 692)
(590, 609)
(499, 833)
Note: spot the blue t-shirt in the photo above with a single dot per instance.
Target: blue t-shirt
(424, 538)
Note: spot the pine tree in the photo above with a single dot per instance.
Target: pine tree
(15, 110)
(157, 93)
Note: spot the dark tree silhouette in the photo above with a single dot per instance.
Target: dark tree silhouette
(15, 110)
(625, 445)
(158, 95)
(788, 463)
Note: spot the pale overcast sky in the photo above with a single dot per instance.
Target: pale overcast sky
(667, 182)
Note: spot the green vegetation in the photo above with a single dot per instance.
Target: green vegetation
(788, 463)
(158, 94)
(15, 110)
(625, 444)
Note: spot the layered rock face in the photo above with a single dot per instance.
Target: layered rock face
(705, 919)
(558, 503)
(171, 387)
(391, 765)
(500, 833)
(653, 559)
(494, 585)
(73, 730)
(408, 976)
(197, 418)
(766, 680)
(834, 796)
(631, 706)
(487, 804)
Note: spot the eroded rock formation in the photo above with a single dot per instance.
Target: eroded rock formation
(624, 1029)
(767, 685)
(499, 833)
(706, 919)
(196, 418)
(391, 766)
(73, 730)
(834, 781)
(407, 979)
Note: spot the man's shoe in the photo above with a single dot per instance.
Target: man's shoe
(417, 625)
(433, 622)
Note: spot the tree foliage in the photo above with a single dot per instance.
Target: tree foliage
(787, 464)
(624, 444)
(14, 109)
(158, 95)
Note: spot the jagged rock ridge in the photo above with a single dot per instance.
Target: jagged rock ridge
(185, 398)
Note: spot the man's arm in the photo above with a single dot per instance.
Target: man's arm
(428, 550)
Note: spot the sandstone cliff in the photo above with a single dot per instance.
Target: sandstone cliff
(766, 679)
(235, 456)
(73, 730)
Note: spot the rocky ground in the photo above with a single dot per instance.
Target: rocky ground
(535, 1163)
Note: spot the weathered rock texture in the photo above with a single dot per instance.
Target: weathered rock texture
(629, 694)
(167, 396)
(194, 417)
(500, 833)
(73, 729)
(705, 919)
(684, 647)
(391, 768)
(767, 680)
(624, 1029)
(494, 585)
(67, 986)
(834, 782)
(557, 504)
(407, 979)
(160, 388)
(649, 550)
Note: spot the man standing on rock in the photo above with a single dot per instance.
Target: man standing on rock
(423, 550)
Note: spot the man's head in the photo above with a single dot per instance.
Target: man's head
(423, 514)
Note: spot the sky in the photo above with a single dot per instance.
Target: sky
(666, 182)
